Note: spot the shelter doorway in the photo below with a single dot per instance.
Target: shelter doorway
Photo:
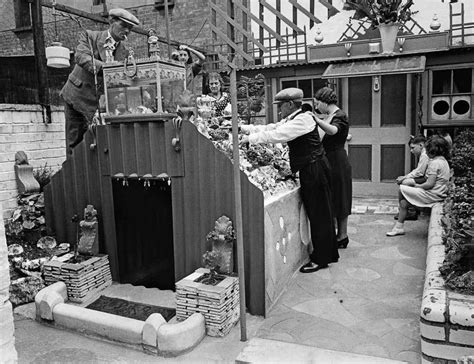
(144, 230)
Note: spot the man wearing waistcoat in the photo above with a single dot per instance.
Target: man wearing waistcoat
(299, 130)
(80, 93)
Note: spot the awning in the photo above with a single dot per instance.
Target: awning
(372, 67)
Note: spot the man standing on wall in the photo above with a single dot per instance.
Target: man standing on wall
(81, 93)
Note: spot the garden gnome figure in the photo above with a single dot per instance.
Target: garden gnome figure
(153, 46)
(89, 241)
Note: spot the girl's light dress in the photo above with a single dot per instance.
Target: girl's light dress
(427, 198)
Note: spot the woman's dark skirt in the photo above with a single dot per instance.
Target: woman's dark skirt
(341, 179)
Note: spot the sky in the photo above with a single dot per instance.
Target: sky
(332, 28)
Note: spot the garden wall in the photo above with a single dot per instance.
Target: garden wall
(22, 128)
(7, 329)
(447, 319)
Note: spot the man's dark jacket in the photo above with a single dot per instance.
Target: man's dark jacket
(79, 90)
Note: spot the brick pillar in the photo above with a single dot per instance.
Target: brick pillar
(7, 338)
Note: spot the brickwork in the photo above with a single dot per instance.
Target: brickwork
(447, 320)
(22, 128)
(186, 20)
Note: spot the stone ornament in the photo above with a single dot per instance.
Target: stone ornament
(26, 182)
(89, 241)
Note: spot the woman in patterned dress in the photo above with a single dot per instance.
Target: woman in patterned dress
(222, 98)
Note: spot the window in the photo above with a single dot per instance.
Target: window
(393, 99)
(22, 14)
(308, 85)
(452, 95)
(360, 101)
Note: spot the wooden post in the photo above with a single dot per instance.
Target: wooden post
(40, 60)
(167, 20)
(238, 203)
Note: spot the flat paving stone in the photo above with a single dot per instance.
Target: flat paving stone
(379, 281)
(389, 252)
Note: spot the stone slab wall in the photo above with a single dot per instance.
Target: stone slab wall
(447, 318)
(22, 128)
(284, 250)
(7, 339)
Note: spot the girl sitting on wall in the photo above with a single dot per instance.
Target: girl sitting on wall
(430, 192)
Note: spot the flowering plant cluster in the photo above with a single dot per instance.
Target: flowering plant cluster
(381, 11)
(458, 220)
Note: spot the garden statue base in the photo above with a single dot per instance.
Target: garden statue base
(83, 280)
(218, 303)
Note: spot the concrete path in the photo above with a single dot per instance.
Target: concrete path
(366, 305)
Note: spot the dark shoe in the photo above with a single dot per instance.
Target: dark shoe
(311, 267)
(342, 244)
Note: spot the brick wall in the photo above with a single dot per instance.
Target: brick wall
(22, 128)
(186, 20)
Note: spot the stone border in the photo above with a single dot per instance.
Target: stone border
(154, 335)
(446, 317)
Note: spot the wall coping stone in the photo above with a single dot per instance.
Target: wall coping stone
(447, 317)
(25, 107)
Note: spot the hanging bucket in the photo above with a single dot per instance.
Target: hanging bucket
(57, 56)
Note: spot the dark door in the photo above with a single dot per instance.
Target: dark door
(144, 224)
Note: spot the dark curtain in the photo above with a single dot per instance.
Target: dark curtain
(144, 223)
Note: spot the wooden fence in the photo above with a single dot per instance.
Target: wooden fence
(201, 191)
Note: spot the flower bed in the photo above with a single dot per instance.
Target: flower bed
(458, 220)
(447, 320)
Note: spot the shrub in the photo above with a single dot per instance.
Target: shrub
(458, 219)
(43, 175)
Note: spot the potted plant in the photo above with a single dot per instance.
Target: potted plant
(386, 15)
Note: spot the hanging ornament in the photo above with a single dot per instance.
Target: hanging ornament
(57, 56)
(318, 38)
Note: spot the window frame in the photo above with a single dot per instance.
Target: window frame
(450, 121)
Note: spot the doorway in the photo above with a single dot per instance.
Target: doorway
(144, 232)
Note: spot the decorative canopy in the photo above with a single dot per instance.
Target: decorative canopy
(372, 67)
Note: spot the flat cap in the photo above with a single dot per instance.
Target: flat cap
(124, 15)
(289, 94)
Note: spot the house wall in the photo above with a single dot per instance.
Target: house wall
(189, 24)
(22, 129)
(374, 137)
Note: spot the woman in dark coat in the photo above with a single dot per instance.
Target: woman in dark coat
(336, 128)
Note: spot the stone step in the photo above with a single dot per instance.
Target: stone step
(272, 351)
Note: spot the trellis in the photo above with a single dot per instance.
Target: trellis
(272, 45)
(360, 27)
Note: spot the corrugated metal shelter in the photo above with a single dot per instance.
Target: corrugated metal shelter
(201, 191)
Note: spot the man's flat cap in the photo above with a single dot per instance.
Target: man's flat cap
(289, 94)
(124, 15)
